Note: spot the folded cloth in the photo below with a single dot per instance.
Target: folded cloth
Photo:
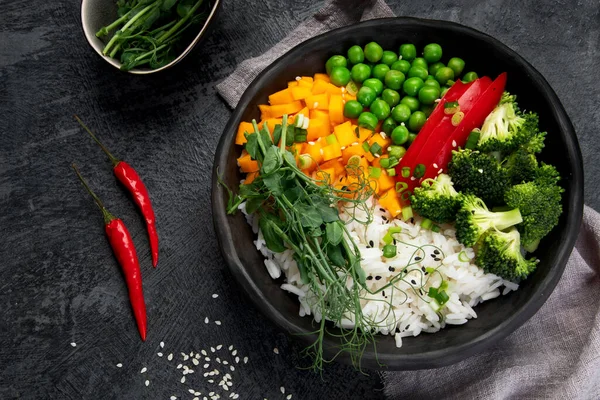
(334, 14)
(555, 355)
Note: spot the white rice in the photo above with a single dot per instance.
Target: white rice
(407, 309)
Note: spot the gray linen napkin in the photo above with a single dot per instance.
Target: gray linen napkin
(565, 364)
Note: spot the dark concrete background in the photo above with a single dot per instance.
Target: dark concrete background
(59, 282)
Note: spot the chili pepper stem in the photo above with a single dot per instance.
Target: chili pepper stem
(107, 215)
(112, 158)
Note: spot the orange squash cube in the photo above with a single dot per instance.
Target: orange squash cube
(240, 138)
(290, 108)
(282, 97)
(332, 151)
(345, 134)
(246, 163)
(321, 77)
(336, 109)
(390, 201)
(318, 101)
(317, 127)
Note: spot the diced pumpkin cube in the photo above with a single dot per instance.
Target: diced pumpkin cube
(305, 83)
(271, 122)
(336, 164)
(390, 201)
(385, 182)
(336, 109)
(282, 97)
(250, 177)
(246, 163)
(320, 87)
(313, 149)
(325, 175)
(381, 141)
(345, 134)
(300, 92)
(317, 127)
(352, 150)
(363, 133)
(290, 108)
(292, 84)
(307, 79)
(240, 138)
(318, 101)
(332, 151)
(322, 77)
(304, 112)
(265, 111)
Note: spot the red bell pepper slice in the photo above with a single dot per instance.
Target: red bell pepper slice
(473, 118)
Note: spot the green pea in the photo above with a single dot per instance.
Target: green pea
(408, 51)
(433, 68)
(412, 103)
(457, 65)
(356, 54)
(420, 62)
(469, 77)
(411, 86)
(427, 109)
(360, 72)
(335, 61)
(374, 84)
(379, 71)
(416, 121)
(388, 125)
(352, 109)
(394, 79)
(367, 120)
(432, 52)
(380, 109)
(428, 94)
(418, 72)
(373, 52)
(365, 96)
(430, 81)
(400, 135)
(389, 58)
(443, 75)
(411, 138)
(401, 65)
(390, 96)
(340, 76)
(401, 113)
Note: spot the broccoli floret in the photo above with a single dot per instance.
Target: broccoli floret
(480, 174)
(500, 253)
(521, 166)
(535, 144)
(547, 175)
(436, 199)
(507, 128)
(540, 205)
(474, 219)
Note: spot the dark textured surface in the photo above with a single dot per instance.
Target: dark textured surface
(59, 282)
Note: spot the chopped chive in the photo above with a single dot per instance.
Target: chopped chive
(419, 171)
(462, 256)
(376, 149)
(374, 172)
(366, 147)
(407, 212)
(393, 161)
(473, 139)
(427, 223)
(442, 297)
(384, 162)
(435, 228)
(387, 238)
(391, 171)
(401, 186)
(405, 172)
(394, 229)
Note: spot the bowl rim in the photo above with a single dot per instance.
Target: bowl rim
(427, 359)
(92, 40)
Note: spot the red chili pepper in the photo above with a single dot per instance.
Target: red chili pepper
(132, 181)
(124, 250)
(440, 135)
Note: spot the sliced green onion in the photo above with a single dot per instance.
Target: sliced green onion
(462, 256)
(374, 172)
(427, 223)
(376, 149)
(366, 146)
(394, 229)
(430, 270)
(387, 238)
(384, 162)
(407, 212)
(435, 228)
(401, 187)
(331, 139)
(305, 161)
(391, 171)
(357, 132)
(442, 297)
(473, 139)
(419, 171)
(457, 118)
(389, 251)
(351, 88)
(393, 161)
(299, 120)
(433, 292)
(405, 172)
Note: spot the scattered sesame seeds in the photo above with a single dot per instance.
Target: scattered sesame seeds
(173, 397)
(206, 358)
(297, 78)
(147, 383)
(232, 368)
(276, 350)
(211, 381)
(218, 360)
(237, 360)
(162, 345)
(206, 320)
(219, 347)
(185, 357)
(215, 295)
(225, 362)
(316, 104)
(233, 353)
(119, 365)
(203, 352)
(282, 390)
(212, 350)
(435, 165)
(206, 365)
(73, 344)
(179, 366)
(143, 370)
(182, 379)
(289, 396)
(245, 360)
(454, 143)
(159, 354)
(191, 391)
(230, 347)
(195, 361)
(170, 356)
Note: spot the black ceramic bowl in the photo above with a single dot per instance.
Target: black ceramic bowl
(496, 318)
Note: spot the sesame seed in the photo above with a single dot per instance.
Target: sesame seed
(196, 398)
(282, 390)
(343, 148)
(377, 277)
(245, 360)
(355, 144)
(233, 353)
(219, 347)
(179, 366)
(214, 296)
(435, 165)
(454, 143)
(206, 320)
(173, 397)
(316, 104)
(191, 391)
(311, 143)
(205, 365)
(195, 361)
(321, 151)
(480, 171)
(276, 350)
(376, 155)
(162, 345)
(206, 358)
(218, 360)
(197, 393)
(232, 368)
(211, 381)
(343, 89)
(212, 349)
(203, 352)
(182, 379)
(119, 365)
(147, 383)
(143, 370)
(73, 344)
(192, 354)
(297, 78)
(440, 171)
(289, 396)
(383, 135)
(370, 277)
(185, 357)
(237, 360)
(159, 354)
(170, 357)
(412, 178)
(206, 374)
